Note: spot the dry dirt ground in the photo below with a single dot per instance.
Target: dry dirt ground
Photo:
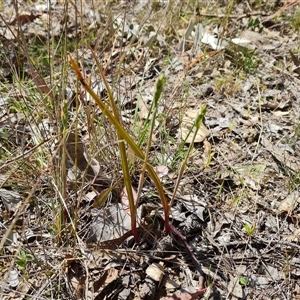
(64, 225)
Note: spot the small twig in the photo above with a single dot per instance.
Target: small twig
(250, 14)
(279, 11)
(290, 244)
(198, 58)
(188, 249)
(110, 244)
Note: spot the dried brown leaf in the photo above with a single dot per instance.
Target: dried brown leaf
(23, 19)
(161, 171)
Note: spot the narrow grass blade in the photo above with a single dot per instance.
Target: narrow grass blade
(197, 125)
(157, 94)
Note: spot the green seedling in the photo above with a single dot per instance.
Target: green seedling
(249, 229)
(243, 281)
(243, 58)
(255, 24)
(23, 260)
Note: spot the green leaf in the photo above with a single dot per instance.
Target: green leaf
(243, 281)
(21, 263)
(249, 229)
